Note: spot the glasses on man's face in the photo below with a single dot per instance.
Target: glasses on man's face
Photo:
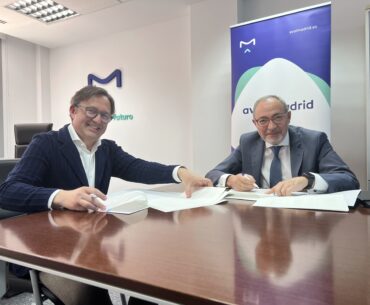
(92, 113)
(276, 119)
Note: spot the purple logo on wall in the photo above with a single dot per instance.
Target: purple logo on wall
(116, 74)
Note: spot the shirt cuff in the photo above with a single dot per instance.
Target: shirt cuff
(222, 180)
(175, 176)
(320, 185)
(51, 198)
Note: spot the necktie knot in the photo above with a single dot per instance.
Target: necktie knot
(275, 150)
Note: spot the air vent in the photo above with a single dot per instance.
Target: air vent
(43, 10)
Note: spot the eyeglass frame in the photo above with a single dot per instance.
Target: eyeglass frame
(277, 116)
(102, 114)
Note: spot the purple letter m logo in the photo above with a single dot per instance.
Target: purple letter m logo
(117, 74)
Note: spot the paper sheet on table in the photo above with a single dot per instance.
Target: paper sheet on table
(171, 201)
(126, 202)
(329, 202)
(255, 194)
(350, 197)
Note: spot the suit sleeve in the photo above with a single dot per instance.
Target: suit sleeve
(23, 190)
(130, 168)
(231, 165)
(333, 169)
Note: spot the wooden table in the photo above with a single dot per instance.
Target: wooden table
(226, 254)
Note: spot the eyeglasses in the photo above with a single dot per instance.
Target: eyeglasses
(92, 113)
(276, 119)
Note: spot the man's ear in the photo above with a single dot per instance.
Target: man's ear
(72, 111)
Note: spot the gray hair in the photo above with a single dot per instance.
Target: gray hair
(280, 100)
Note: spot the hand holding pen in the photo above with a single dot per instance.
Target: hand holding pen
(81, 199)
(241, 182)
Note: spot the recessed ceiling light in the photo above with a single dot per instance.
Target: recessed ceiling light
(46, 11)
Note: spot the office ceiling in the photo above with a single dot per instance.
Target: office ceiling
(97, 18)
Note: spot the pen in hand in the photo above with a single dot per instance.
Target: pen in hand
(249, 177)
(99, 203)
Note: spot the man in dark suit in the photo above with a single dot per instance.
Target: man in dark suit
(71, 169)
(283, 158)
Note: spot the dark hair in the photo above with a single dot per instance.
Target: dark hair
(279, 99)
(88, 92)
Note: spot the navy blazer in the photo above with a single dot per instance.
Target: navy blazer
(52, 162)
(310, 151)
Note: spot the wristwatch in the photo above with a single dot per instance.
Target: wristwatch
(311, 180)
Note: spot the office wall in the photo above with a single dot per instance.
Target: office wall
(348, 134)
(211, 81)
(24, 87)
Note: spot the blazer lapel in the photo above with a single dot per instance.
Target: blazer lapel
(72, 156)
(99, 166)
(257, 159)
(296, 152)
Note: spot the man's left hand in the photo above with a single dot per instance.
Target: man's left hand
(192, 181)
(287, 187)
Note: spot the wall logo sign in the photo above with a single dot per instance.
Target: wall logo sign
(116, 74)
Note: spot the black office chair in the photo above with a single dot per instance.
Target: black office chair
(24, 133)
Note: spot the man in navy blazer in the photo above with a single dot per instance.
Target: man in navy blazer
(71, 169)
(307, 160)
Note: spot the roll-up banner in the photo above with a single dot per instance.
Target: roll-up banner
(286, 55)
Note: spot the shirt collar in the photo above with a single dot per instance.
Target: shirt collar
(284, 142)
(77, 140)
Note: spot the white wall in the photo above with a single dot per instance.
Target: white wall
(22, 87)
(211, 81)
(348, 104)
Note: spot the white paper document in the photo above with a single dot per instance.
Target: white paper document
(254, 195)
(130, 201)
(171, 201)
(126, 202)
(329, 202)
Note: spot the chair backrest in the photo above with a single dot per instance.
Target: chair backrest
(24, 133)
(6, 165)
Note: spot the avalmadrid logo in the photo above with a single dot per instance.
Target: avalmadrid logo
(117, 75)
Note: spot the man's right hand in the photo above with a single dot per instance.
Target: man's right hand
(241, 183)
(81, 199)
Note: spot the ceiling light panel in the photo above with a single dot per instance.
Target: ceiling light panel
(46, 11)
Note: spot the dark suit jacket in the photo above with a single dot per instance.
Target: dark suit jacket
(310, 151)
(52, 162)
